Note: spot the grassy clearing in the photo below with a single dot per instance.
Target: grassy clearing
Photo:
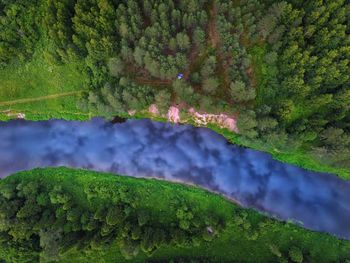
(260, 70)
(37, 78)
(248, 236)
(58, 108)
(23, 88)
(47, 97)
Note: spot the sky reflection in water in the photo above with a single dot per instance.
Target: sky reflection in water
(144, 148)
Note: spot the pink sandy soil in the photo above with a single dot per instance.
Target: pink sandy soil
(174, 114)
(201, 119)
(131, 112)
(153, 109)
(223, 120)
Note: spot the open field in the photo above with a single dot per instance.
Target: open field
(40, 89)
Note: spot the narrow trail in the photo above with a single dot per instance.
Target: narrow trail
(142, 77)
(212, 30)
(47, 97)
(147, 81)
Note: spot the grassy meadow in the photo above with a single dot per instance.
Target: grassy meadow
(40, 89)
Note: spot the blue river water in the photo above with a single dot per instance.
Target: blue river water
(143, 148)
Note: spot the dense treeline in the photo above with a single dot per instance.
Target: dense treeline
(299, 68)
(60, 214)
(280, 67)
(18, 32)
(305, 84)
(309, 75)
(293, 59)
(50, 218)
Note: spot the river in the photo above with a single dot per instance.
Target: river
(143, 148)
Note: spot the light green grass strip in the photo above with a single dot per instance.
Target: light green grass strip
(53, 96)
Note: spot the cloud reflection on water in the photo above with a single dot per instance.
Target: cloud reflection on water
(143, 148)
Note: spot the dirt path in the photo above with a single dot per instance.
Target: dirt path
(53, 96)
(157, 82)
(142, 77)
(212, 30)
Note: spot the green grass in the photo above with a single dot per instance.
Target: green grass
(59, 108)
(261, 71)
(38, 78)
(248, 241)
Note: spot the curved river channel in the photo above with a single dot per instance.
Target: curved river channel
(143, 148)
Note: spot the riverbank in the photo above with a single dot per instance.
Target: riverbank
(241, 235)
(40, 110)
(145, 148)
(43, 96)
(41, 104)
(226, 126)
(297, 158)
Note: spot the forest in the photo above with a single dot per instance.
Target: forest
(66, 215)
(281, 68)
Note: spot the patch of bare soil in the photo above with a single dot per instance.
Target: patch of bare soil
(251, 75)
(201, 119)
(213, 34)
(142, 77)
(152, 82)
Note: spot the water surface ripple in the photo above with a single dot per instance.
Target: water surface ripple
(143, 148)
